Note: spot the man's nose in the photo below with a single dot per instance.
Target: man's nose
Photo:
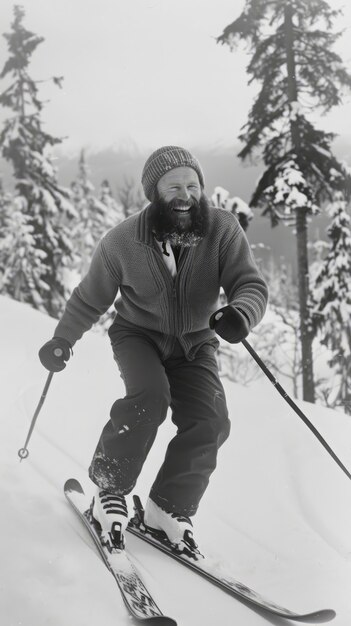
(184, 193)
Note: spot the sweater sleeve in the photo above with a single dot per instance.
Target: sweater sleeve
(91, 298)
(240, 277)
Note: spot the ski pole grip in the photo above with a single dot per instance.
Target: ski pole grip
(58, 352)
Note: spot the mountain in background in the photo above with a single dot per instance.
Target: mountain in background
(221, 167)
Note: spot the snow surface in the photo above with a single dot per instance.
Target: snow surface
(277, 513)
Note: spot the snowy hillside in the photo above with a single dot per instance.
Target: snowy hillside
(277, 513)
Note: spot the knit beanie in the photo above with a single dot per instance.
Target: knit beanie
(163, 160)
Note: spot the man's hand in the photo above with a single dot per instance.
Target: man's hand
(54, 354)
(230, 323)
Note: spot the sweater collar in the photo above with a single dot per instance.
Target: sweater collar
(143, 230)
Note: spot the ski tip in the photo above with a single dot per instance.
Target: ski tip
(160, 620)
(318, 617)
(72, 484)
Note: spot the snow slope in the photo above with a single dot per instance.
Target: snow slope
(277, 512)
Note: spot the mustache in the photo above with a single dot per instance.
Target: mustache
(176, 203)
(166, 227)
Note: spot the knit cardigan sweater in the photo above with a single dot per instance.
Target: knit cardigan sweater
(128, 260)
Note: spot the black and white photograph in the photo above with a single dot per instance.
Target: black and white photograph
(175, 312)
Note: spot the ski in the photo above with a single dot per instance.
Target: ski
(203, 566)
(137, 598)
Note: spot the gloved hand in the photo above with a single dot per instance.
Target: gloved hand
(54, 354)
(230, 323)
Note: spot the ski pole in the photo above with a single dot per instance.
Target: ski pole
(294, 406)
(23, 453)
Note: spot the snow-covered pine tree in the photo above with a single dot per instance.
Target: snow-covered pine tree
(282, 287)
(115, 210)
(94, 217)
(332, 301)
(292, 58)
(5, 210)
(130, 196)
(236, 205)
(22, 263)
(5, 203)
(43, 202)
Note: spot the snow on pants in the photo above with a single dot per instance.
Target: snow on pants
(196, 396)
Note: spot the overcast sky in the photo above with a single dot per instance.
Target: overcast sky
(147, 72)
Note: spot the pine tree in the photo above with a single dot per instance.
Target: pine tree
(293, 60)
(22, 263)
(332, 299)
(94, 216)
(236, 206)
(6, 201)
(115, 211)
(130, 196)
(45, 205)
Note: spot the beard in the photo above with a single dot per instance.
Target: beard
(180, 229)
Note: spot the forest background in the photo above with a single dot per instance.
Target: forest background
(132, 78)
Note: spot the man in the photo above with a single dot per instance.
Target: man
(168, 262)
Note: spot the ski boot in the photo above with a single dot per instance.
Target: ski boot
(171, 529)
(110, 515)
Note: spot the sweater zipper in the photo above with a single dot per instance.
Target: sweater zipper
(171, 288)
(174, 305)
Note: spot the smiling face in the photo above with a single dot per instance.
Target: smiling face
(181, 183)
(180, 208)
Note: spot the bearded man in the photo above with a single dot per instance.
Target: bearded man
(168, 263)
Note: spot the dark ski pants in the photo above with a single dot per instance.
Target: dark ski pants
(196, 396)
